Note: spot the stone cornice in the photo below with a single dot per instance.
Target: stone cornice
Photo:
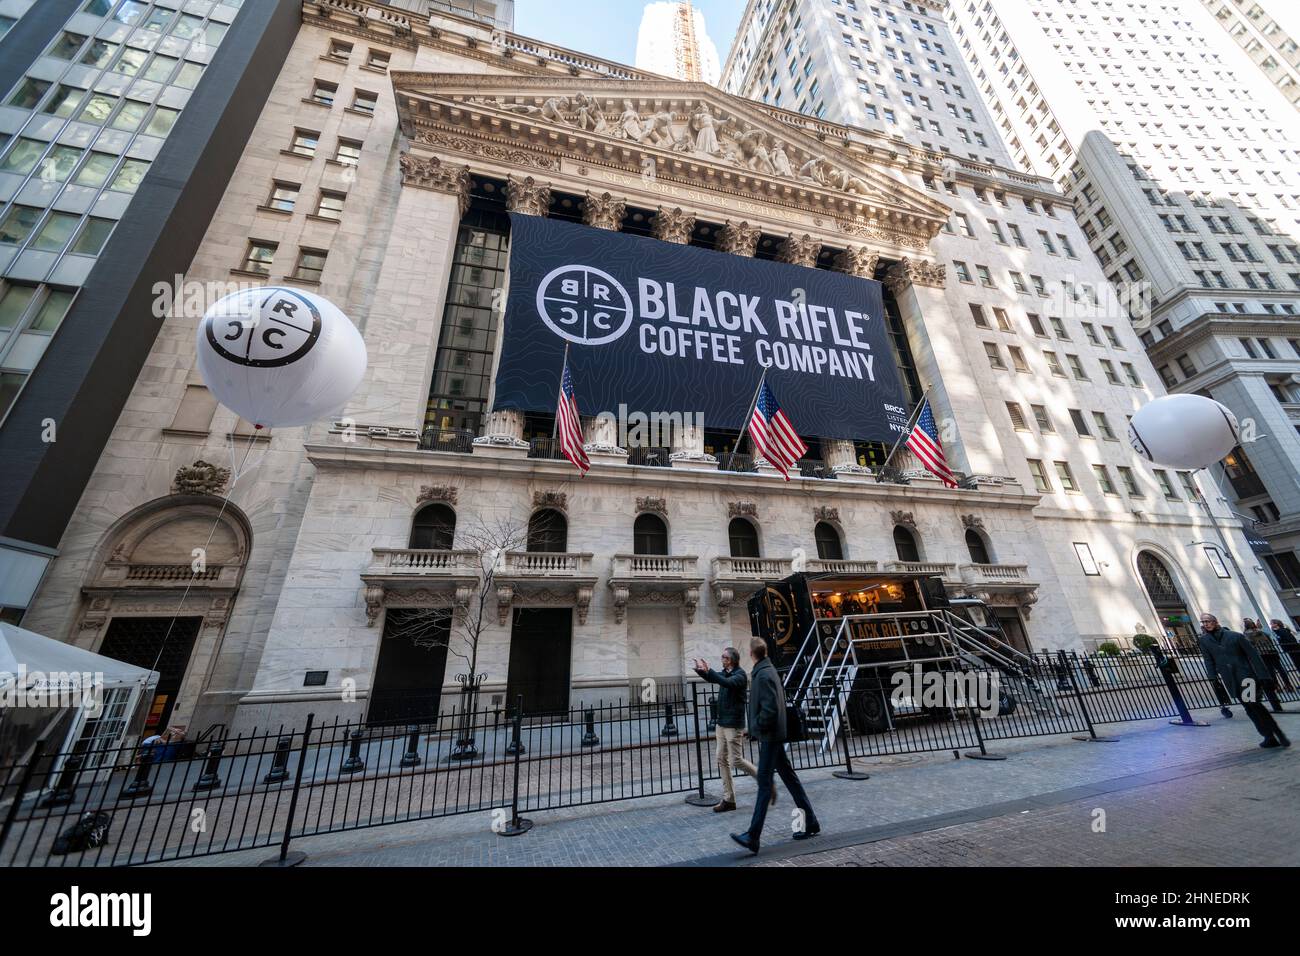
(635, 125)
(433, 466)
(1229, 324)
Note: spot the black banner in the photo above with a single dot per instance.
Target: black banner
(654, 327)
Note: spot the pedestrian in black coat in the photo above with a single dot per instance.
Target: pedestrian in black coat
(767, 725)
(1286, 639)
(1228, 654)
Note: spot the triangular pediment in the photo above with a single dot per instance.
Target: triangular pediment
(691, 129)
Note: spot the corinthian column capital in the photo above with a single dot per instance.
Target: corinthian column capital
(528, 196)
(432, 173)
(738, 238)
(603, 211)
(799, 250)
(673, 225)
(857, 261)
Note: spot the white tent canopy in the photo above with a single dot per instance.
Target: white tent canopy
(26, 650)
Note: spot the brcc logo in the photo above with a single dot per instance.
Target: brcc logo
(584, 305)
(278, 330)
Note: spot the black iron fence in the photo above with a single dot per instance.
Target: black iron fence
(265, 789)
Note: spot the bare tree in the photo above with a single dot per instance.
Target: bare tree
(459, 628)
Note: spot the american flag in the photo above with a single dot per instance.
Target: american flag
(923, 442)
(568, 424)
(774, 437)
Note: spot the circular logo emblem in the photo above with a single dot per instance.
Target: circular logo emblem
(264, 328)
(584, 305)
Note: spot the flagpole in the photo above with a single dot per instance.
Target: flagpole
(555, 425)
(744, 427)
(907, 430)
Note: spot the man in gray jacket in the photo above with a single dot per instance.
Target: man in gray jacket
(767, 725)
(1229, 655)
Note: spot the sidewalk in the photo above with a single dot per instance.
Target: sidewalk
(905, 795)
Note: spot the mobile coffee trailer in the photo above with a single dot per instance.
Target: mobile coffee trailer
(838, 639)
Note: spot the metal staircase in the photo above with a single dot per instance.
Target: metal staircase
(822, 676)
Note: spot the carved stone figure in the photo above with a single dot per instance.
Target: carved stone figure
(706, 136)
(589, 114)
(780, 161)
(629, 123)
(555, 108)
(201, 478)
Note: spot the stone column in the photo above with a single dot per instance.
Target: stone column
(505, 431)
(799, 250)
(673, 225)
(401, 332)
(738, 238)
(528, 196)
(841, 456)
(603, 211)
(918, 286)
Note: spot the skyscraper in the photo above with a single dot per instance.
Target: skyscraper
(120, 123)
(673, 41)
(1182, 161)
(1265, 29)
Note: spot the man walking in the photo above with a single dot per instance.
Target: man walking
(1228, 654)
(729, 716)
(1286, 639)
(767, 725)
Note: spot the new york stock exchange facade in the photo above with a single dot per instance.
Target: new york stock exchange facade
(349, 528)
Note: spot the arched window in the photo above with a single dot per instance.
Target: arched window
(979, 551)
(829, 547)
(548, 531)
(743, 537)
(649, 535)
(434, 528)
(905, 544)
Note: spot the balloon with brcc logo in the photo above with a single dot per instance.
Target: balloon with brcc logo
(1183, 431)
(280, 357)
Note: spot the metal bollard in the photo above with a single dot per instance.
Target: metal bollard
(354, 761)
(62, 792)
(670, 725)
(589, 739)
(209, 780)
(279, 771)
(412, 756)
(141, 786)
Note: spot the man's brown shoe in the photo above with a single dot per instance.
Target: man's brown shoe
(722, 806)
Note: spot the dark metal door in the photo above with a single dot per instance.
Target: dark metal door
(158, 643)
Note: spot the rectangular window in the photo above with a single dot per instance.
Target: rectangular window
(283, 197)
(1017, 417)
(259, 257)
(994, 355)
(1166, 487)
(1103, 479)
(1080, 423)
(977, 314)
(1042, 483)
(1103, 426)
(304, 142)
(331, 205)
(1065, 476)
(378, 60)
(348, 152)
(1130, 481)
(364, 101)
(1044, 422)
(323, 93)
(311, 264)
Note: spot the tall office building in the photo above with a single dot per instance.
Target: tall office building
(120, 123)
(1266, 30)
(1182, 161)
(672, 41)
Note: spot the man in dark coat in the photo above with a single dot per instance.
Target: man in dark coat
(1228, 654)
(768, 726)
(729, 716)
(1286, 639)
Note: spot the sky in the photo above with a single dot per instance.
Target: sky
(607, 28)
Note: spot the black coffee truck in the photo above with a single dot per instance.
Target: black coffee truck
(831, 633)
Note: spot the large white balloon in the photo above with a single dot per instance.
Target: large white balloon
(1183, 431)
(280, 357)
